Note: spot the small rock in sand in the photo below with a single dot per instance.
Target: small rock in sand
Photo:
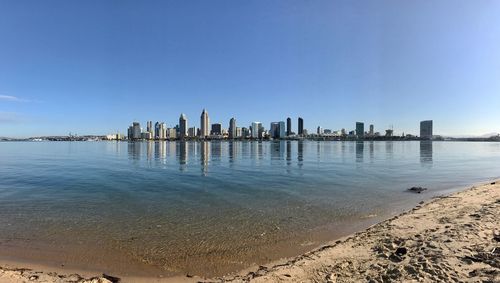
(417, 190)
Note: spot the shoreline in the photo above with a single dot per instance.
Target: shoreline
(388, 250)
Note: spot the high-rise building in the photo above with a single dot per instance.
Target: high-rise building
(183, 126)
(136, 131)
(288, 126)
(192, 132)
(277, 130)
(274, 130)
(171, 133)
(360, 130)
(319, 130)
(216, 129)
(232, 128)
(162, 131)
(149, 127)
(157, 131)
(204, 124)
(245, 132)
(426, 130)
(371, 130)
(238, 133)
(301, 126)
(282, 129)
(257, 130)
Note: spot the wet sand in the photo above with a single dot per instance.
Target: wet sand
(449, 238)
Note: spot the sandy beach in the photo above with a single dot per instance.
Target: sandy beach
(452, 238)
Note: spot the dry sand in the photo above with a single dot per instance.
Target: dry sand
(453, 238)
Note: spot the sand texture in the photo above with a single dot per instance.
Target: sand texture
(453, 238)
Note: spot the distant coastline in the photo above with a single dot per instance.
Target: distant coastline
(309, 138)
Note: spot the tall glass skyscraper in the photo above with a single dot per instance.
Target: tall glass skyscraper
(204, 124)
(301, 126)
(183, 126)
(426, 130)
(360, 130)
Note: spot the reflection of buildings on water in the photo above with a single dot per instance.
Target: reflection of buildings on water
(277, 150)
(300, 153)
(182, 150)
(256, 150)
(426, 152)
(288, 153)
(371, 148)
(149, 150)
(205, 157)
(215, 153)
(389, 149)
(360, 148)
(216, 150)
(233, 149)
(134, 150)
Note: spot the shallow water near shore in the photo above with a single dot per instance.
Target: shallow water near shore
(209, 208)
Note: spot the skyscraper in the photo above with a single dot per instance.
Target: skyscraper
(277, 130)
(136, 131)
(149, 127)
(360, 130)
(232, 128)
(183, 126)
(157, 130)
(256, 130)
(288, 126)
(204, 124)
(371, 130)
(301, 127)
(162, 131)
(282, 130)
(192, 132)
(216, 129)
(274, 130)
(426, 130)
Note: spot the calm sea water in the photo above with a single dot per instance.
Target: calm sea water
(213, 207)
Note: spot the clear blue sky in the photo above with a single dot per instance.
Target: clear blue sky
(92, 67)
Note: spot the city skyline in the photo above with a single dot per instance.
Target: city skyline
(256, 130)
(332, 62)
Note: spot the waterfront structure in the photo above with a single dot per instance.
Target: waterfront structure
(239, 132)
(301, 126)
(171, 133)
(192, 132)
(257, 130)
(216, 129)
(183, 126)
(146, 135)
(204, 124)
(149, 127)
(371, 130)
(135, 131)
(162, 131)
(274, 130)
(389, 132)
(282, 130)
(157, 131)
(245, 132)
(360, 130)
(288, 126)
(426, 130)
(319, 130)
(232, 129)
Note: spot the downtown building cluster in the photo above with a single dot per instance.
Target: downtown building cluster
(206, 130)
(277, 130)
